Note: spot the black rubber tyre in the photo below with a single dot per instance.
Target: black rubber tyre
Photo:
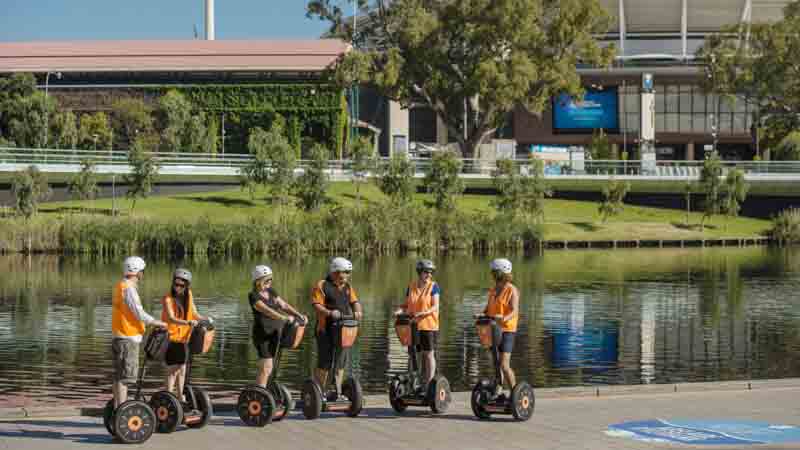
(395, 397)
(439, 394)
(312, 400)
(523, 401)
(134, 421)
(255, 406)
(203, 405)
(108, 417)
(475, 402)
(283, 400)
(351, 388)
(168, 411)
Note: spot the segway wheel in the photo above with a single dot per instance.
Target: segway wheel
(396, 397)
(256, 406)
(204, 406)
(168, 410)
(351, 388)
(522, 401)
(108, 417)
(283, 400)
(439, 394)
(312, 400)
(134, 422)
(477, 403)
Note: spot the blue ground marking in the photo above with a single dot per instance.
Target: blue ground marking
(659, 429)
(755, 431)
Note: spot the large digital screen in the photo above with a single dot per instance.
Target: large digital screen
(598, 109)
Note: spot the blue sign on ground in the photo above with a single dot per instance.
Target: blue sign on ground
(708, 432)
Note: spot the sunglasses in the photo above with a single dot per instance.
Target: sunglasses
(179, 284)
(347, 272)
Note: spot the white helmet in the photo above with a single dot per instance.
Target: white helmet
(183, 274)
(501, 265)
(261, 272)
(340, 264)
(133, 265)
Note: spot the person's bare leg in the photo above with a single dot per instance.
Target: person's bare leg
(321, 377)
(120, 391)
(339, 378)
(264, 371)
(510, 380)
(172, 375)
(180, 380)
(429, 362)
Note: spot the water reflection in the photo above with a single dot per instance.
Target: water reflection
(588, 317)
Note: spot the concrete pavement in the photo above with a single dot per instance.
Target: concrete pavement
(561, 421)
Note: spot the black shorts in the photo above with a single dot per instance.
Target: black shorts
(325, 348)
(507, 342)
(427, 341)
(267, 346)
(176, 354)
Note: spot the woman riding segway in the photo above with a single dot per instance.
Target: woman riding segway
(497, 328)
(276, 325)
(338, 312)
(173, 406)
(417, 326)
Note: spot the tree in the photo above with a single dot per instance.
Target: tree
(534, 190)
(83, 185)
(13, 88)
(687, 196)
(29, 187)
(361, 154)
(311, 186)
(186, 128)
(95, 132)
(735, 192)
(130, 116)
(613, 198)
(788, 149)
(395, 179)
(710, 180)
(273, 163)
(600, 147)
(484, 56)
(754, 63)
(144, 169)
(443, 180)
(27, 119)
(517, 193)
(64, 130)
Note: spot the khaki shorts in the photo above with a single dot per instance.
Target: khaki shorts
(125, 357)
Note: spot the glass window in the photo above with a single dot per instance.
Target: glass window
(685, 122)
(741, 106)
(671, 125)
(698, 101)
(633, 122)
(740, 123)
(660, 94)
(631, 102)
(724, 124)
(672, 99)
(726, 105)
(699, 123)
(660, 122)
(685, 101)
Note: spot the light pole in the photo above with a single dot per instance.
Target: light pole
(94, 138)
(714, 132)
(44, 106)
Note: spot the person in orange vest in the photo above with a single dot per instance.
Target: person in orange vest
(333, 298)
(180, 313)
(422, 304)
(271, 314)
(128, 322)
(503, 306)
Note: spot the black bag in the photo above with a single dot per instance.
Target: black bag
(202, 338)
(155, 346)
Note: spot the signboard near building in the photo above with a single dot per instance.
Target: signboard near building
(597, 110)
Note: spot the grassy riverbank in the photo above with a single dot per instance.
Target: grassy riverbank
(231, 222)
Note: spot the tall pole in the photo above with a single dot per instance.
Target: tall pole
(44, 106)
(209, 20)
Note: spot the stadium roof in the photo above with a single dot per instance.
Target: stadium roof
(701, 16)
(158, 56)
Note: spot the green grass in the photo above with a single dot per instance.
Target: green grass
(564, 219)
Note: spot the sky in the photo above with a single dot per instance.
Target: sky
(63, 20)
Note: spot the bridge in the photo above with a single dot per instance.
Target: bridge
(210, 166)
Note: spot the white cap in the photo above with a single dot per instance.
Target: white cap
(340, 264)
(501, 265)
(183, 274)
(261, 272)
(133, 265)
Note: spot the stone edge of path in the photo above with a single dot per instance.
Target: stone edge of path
(543, 393)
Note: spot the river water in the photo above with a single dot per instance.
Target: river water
(587, 317)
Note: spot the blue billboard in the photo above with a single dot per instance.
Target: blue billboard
(598, 109)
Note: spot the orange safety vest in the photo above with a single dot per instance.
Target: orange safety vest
(178, 333)
(123, 321)
(420, 299)
(500, 304)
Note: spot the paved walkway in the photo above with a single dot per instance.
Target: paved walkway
(561, 421)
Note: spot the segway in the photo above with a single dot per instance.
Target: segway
(345, 331)
(410, 390)
(197, 410)
(258, 406)
(485, 399)
(134, 421)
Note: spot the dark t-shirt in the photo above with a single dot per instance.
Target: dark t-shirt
(263, 326)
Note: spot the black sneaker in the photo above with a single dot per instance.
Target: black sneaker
(501, 398)
(332, 396)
